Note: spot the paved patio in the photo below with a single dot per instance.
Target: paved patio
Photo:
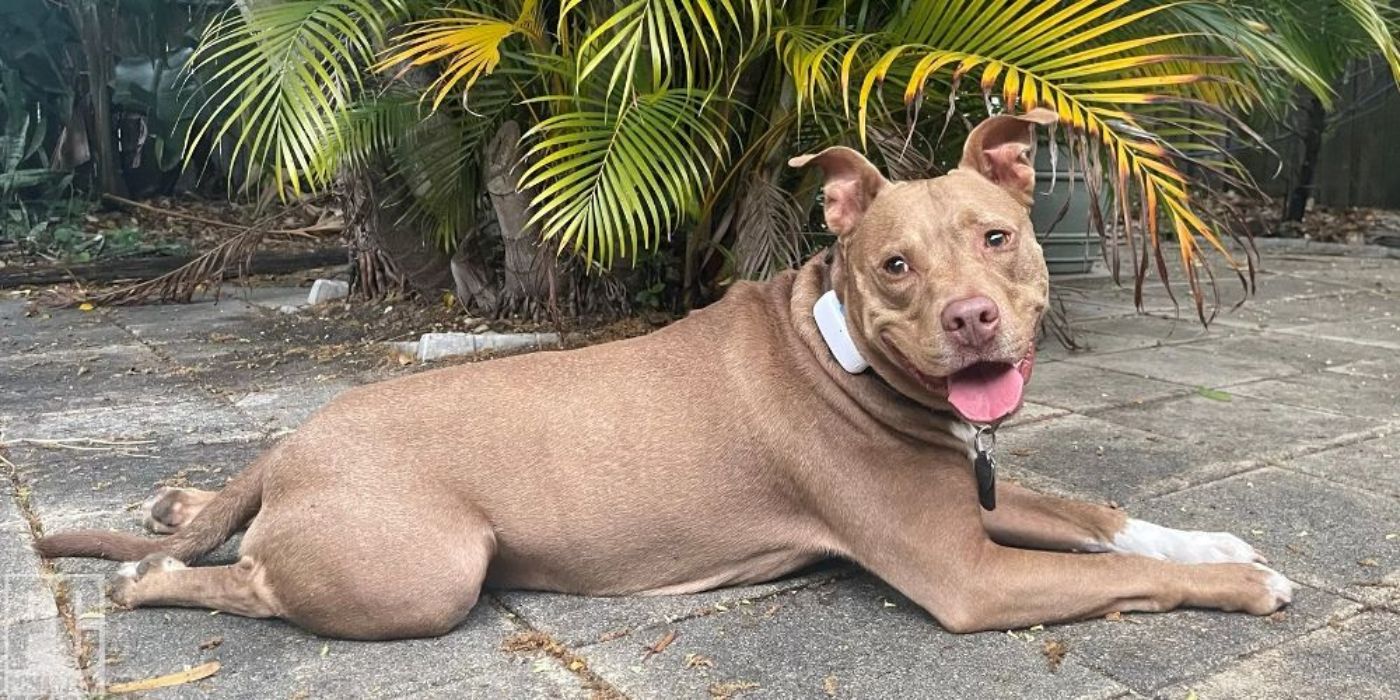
(1279, 424)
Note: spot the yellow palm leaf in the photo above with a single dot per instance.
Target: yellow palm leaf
(468, 42)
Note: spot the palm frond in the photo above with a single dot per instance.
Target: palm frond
(441, 163)
(613, 181)
(1286, 41)
(676, 41)
(769, 224)
(279, 73)
(469, 45)
(370, 127)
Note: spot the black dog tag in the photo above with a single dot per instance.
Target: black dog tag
(986, 469)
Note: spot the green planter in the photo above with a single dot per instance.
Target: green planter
(1072, 246)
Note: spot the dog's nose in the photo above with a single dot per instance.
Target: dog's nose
(972, 321)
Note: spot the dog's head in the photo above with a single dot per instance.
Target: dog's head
(943, 281)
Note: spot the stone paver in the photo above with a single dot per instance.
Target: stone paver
(867, 639)
(580, 620)
(1368, 465)
(1338, 661)
(1147, 652)
(1331, 538)
(259, 659)
(1302, 460)
(1240, 427)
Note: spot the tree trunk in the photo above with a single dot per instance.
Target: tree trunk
(530, 270)
(389, 255)
(91, 24)
(475, 289)
(1312, 124)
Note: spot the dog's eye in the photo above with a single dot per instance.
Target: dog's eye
(997, 239)
(896, 266)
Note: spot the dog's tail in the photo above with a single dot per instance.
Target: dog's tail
(232, 508)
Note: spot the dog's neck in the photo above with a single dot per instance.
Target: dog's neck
(867, 389)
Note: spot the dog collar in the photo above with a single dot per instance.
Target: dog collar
(831, 321)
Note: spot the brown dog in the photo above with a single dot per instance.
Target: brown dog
(728, 448)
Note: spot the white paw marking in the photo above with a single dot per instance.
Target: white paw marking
(1185, 546)
(128, 569)
(1278, 584)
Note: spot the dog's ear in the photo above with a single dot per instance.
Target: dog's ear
(851, 185)
(1000, 150)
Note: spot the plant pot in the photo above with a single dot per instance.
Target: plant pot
(1070, 242)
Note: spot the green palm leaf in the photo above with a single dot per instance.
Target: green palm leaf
(612, 181)
(669, 38)
(280, 73)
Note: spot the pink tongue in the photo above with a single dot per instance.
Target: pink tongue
(986, 392)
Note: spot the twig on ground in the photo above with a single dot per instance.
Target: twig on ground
(305, 231)
(188, 675)
(181, 284)
(78, 444)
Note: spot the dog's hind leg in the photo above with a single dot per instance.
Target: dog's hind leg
(417, 572)
(168, 509)
(160, 580)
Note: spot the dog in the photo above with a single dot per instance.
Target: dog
(836, 410)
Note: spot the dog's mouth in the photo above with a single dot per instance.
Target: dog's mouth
(982, 392)
(986, 392)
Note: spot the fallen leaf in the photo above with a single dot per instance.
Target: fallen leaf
(526, 641)
(211, 643)
(1114, 616)
(1054, 650)
(86, 306)
(576, 665)
(188, 675)
(325, 650)
(1368, 562)
(1213, 394)
(726, 690)
(659, 645)
(829, 686)
(698, 661)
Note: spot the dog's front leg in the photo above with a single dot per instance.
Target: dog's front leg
(1025, 518)
(923, 534)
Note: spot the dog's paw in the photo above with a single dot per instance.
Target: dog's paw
(122, 588)
(1184, 546)
(165, 511)
(1254, 588)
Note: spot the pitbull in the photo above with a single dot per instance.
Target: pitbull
(829, 412)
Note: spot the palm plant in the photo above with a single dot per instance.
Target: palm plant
(664, 123)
